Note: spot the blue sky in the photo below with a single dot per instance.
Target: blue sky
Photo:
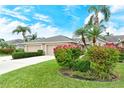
(53, 20)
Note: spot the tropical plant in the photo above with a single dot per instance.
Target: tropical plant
(81, 32)
(100, 9)
(3, 44)
(23, 30)
(34, 36)
(2, 40)
(95, 33)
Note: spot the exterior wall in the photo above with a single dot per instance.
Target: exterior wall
(20, 46)
(32, 48)
(50, 47)
(121, 45)
(46, 47)
(98, 42)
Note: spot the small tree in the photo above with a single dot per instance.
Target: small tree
(23, 30)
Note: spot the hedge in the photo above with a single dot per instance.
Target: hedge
(18, 55)
(6, 51)
(121, 58)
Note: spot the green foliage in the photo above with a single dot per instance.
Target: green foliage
(81, 65)
(23, 30)
(18, 55)
(41, 52)
(67, 56)
(6, 50)
(19, 50)
(121, 58)
(103, 60)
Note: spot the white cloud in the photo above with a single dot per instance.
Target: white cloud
(42, 17)
(24, 8)
(87, 18)
(6, 28)
(44, 30)
(113, 29)
(116, 8)
(12, 13)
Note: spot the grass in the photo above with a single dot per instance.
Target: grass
(46, 75)
(4, 55)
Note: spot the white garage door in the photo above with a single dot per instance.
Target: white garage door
(50, 50)
(33, 48)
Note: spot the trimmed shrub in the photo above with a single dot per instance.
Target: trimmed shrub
(6, 50)
(19, 50)
(41, 52)
(103, 60)
(67, 54)
(18, 55)
(121, 58)
(81, 65)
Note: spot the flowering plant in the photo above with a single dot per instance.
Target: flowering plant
(66, 55)
(66, 47)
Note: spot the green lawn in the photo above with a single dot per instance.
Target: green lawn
(46, 75)
(4, 55)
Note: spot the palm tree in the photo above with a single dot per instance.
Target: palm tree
(81, 32)
(2, 40)
(100, 9)
(95, 33)
(34, 36)
(23, 30)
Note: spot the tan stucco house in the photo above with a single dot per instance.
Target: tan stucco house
(47, 44)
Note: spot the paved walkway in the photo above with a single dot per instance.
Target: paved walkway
(7, 64)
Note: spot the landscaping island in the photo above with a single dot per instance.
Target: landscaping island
(47, 75)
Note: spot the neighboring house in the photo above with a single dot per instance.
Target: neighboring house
(47, 44)
(17, 43)
(117, 40)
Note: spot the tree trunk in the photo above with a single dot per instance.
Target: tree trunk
(24, 37)
(83, 39)
(94, 40)
(96, 19)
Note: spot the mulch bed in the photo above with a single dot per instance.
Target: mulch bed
(69, 73)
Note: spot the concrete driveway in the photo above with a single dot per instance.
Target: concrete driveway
(7, 64)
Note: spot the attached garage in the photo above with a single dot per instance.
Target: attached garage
(48, 44)
(32, 48)
(50, 49)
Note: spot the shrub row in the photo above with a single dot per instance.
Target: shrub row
(19, 50)
(121, 58)
(18, 55)
(6, 50)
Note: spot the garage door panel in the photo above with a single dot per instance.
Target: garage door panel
(50, 50)
(34, 48)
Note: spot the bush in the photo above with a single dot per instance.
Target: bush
(121, 58)
(6, 50)
(67, 54)
(17, 55)
(81, 65)
(41, 52)
(19, 50)
(103, 60)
